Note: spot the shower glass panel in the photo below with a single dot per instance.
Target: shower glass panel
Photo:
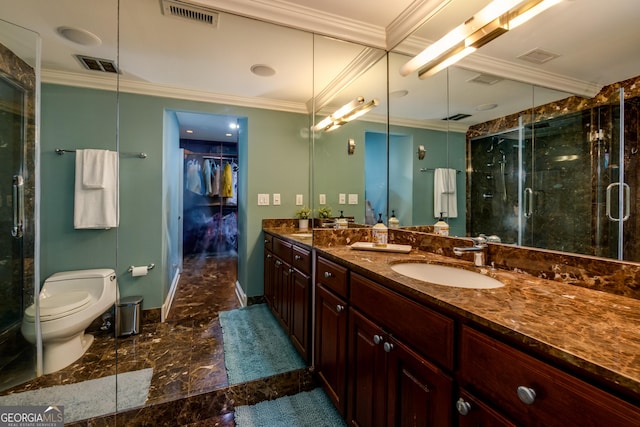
(18, 53)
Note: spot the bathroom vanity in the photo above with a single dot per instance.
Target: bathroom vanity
(394, 350)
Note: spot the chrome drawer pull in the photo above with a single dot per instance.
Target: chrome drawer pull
(291, 270)
(463, 407)
(327, 275)
(278, 262)
(388, 347)
(339, 308)
(297, 257)
(377, 339)
(269, 256)
(526, 395)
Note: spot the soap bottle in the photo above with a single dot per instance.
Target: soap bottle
(342, 222)
(379, 233)
(393, 221)
(441, 227)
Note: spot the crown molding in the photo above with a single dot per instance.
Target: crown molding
(303, 18)
(109, 83)
(413, 17)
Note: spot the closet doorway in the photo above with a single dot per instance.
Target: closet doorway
(210, 184)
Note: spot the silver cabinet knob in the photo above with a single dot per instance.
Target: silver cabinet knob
(266, 241)
(388, 347)
(291, 270)
(463, 407)
(327, 274)
(297, 257)
(526, 395)
(339, 308)
(269, 256)
(377, 339)
(278, 262)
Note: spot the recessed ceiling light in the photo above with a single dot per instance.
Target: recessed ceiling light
(79, 36)
(485, 107)
(189, 131)
(233, 126)
(262, 70)
(399, 93)
(228, 134)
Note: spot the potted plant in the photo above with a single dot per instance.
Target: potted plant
(324, 212)
(303, 214)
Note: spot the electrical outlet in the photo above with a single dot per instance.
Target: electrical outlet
(323, 199)
(276, 199)
(353, 199)
(263, 199)
(299, 200)
(342, 199)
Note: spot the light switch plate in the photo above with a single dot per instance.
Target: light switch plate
(299, 200)
(323, 199)
(263, 199)
(353, 199)
(342, 198)
(276, 198)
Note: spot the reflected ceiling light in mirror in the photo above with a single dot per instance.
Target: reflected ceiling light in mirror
(345, 114)
(490, 22)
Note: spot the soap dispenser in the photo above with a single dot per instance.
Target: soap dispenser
(441, 228)
(379, 233)
(342, 222)
(393, 221)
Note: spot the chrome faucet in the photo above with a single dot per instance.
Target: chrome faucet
(478, 249)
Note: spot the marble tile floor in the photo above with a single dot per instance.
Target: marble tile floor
(189, 385)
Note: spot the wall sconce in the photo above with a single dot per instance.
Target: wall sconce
(421, 152)
(492, 21)
(345, 114)
(351, 146)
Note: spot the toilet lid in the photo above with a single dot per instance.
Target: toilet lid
(59, 305)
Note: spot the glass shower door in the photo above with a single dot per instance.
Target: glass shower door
(17, 189)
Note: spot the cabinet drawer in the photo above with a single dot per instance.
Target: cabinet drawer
(429, 333)
(282, 249)
(499, 373)
(268, 242)
(301, 259)
(332, 276)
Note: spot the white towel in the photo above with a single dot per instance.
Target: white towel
(94, 168)
(444, 193)
(97, 207)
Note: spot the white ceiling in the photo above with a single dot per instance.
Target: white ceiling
(596, 40)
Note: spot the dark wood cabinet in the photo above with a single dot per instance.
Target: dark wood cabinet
(287, 290)
(331, 345)
(390, 384)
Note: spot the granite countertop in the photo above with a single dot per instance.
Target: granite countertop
(594, 331)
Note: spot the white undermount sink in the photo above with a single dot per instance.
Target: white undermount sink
(303, 235)
(446, 276)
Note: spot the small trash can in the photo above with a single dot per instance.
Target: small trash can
(128, 316)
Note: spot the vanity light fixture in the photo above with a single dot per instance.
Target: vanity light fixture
(345, 114)
(495, 19)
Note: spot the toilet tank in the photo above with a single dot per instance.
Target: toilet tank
(92, 281)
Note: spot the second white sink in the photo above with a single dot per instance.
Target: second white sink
(446, 276)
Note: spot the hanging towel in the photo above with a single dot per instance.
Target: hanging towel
(444, 193)
(94, 168)
(227, 181)
(96, 207)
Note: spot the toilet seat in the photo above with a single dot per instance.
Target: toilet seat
(59, 305)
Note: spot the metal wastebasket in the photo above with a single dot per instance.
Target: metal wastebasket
(128, 316)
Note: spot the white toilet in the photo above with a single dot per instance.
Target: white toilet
(69, 302)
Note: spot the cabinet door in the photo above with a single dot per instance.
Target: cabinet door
(281, 291)
(268, 278)
(331, 345)
(300, 312)
(419, 393)
(367, 373)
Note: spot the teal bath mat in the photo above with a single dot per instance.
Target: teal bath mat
(255, 346)
(88, 399)
(307, 409)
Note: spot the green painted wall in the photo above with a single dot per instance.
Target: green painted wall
(274, 159)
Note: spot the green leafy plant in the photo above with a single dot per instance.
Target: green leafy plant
(303, 213)
(324, 212)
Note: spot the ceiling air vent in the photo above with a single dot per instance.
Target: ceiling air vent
(538, 56)
(457, 117)
(485, 79)
(192, 12)
(98, 64)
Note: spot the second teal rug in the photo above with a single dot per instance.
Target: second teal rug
(255, 346)
(307, 409)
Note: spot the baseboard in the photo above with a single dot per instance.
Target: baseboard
(169, 299)
(242, 297)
